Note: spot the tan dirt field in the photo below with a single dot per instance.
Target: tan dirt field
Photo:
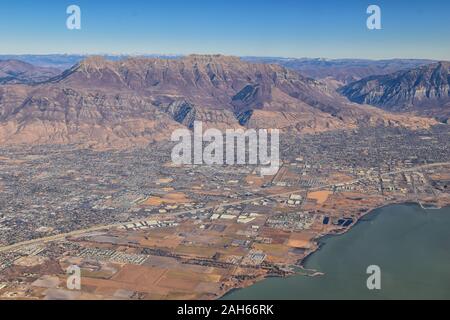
(170, 198)
(320, 196)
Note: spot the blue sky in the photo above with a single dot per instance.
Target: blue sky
(289, 28)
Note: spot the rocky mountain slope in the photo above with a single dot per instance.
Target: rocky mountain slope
(425, 90)
(122, 103)
(15, 71)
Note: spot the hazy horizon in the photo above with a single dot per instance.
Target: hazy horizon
(177, 55)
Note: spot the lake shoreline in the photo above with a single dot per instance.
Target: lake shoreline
(320, 243)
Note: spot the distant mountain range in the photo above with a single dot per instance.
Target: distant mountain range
(16, 71)
(343, 70)
(66, 61)
(425, 90)
(138, 100)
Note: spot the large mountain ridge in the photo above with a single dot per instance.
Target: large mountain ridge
(424, 90)
(134, 101)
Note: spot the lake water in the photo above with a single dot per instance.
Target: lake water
(410, 245)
